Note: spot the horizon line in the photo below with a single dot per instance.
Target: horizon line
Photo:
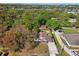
(39, 3)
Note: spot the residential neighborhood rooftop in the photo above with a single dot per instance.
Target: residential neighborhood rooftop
(73, 39)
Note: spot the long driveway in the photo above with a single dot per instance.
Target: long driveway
(52, 48)
(50, 43)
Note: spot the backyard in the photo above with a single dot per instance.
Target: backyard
(71, 31)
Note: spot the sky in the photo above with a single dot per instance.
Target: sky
(39, 1)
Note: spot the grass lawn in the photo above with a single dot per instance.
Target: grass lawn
(42, 50)
(71, 31)
(73, 47)
(1, 49)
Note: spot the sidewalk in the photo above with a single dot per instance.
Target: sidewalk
(52, 48)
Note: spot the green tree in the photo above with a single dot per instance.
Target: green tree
(53, 23)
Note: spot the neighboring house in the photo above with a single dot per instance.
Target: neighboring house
(72, 12)
(42, 27)
(1, 8)
(53, 18)
(72, 20)
(72, 40)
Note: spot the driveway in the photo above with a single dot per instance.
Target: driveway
(52, 48)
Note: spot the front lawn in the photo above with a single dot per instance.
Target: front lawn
(71, 31)
(42, 49)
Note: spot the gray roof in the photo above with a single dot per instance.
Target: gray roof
(73, 39)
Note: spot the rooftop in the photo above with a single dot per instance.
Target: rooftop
(73, 39)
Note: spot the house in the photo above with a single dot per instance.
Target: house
(72, 20)
(71, 40)
(42, 27)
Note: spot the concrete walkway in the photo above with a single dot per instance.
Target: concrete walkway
(51, 45)
(52, 48)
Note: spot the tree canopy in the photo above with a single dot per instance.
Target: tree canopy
(53, 23)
